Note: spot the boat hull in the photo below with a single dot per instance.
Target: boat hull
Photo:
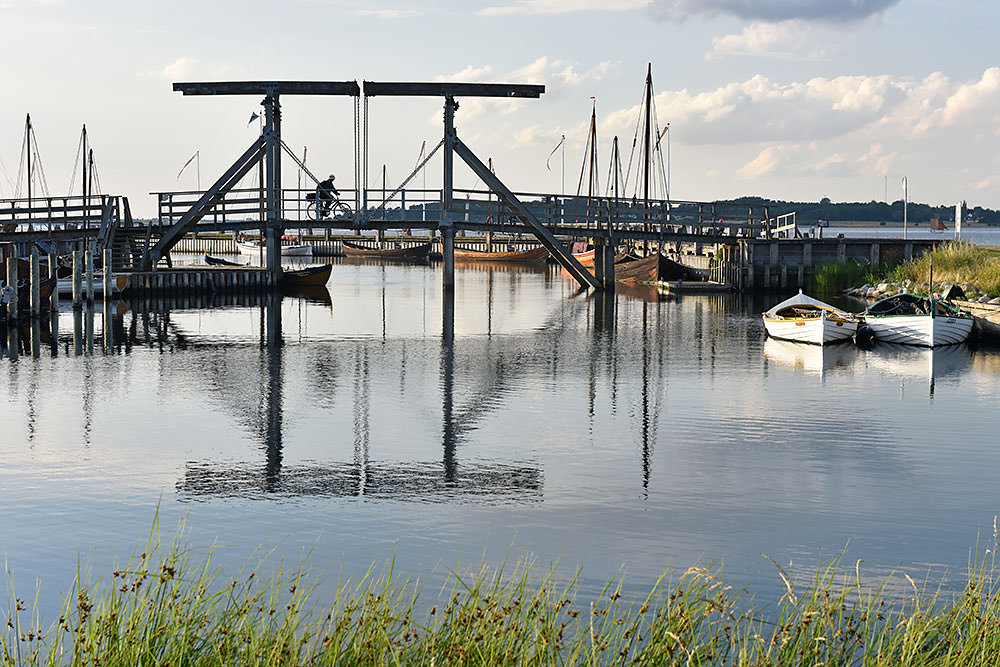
(919, 329)
(469, 255)
(410, 253)
(815, 330)
(297, 250)
(314, 276)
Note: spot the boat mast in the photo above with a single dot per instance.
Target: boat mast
(592, 158)
(85, 185)
(27, 144)
(647, 152)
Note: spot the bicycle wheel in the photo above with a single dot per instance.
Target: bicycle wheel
(311, 212)
(340, 209)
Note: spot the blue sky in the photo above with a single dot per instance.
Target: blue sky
(789, 99)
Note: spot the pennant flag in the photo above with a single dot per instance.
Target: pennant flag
(660, 138)
(190, 160)
(561, 141)
(423, 146)
(253, 116)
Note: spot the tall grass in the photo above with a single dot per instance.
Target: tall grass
(838, 276)
(956, 262)
(164, 607)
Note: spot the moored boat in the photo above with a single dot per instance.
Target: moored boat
(539, 254)
(408, 253)
(911, 319)
(218, 261)
(287, 249)
(313, 276)
(807, 320)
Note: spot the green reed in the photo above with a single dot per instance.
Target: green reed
(167, 607)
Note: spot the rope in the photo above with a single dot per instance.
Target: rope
(76, 165)
(370, 214)
(302, 165)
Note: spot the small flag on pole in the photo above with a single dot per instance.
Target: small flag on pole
(253, 116)
(561, 141)
(190, 160)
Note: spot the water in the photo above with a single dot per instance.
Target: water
(621, 436)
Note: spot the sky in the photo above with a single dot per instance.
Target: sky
(785, 99)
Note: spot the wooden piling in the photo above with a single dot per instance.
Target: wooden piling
(89, 268)
(77, 278)
(107, 277)
(12, 281)
(448, 255)
(35, 279)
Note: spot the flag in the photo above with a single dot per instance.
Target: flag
(660, 137)
(190, 160)
(561, 141)
(253, 116)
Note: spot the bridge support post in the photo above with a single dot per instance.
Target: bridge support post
(604, 263)
(89, 274)
(448, 255)
(107, 275)
(272, 159)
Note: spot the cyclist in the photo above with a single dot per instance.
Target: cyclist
(325, 193)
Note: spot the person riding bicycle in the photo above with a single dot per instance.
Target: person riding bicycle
(325, 193)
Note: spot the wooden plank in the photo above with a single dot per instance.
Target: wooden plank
(451, 89)
(269, 88)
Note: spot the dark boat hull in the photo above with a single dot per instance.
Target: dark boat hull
(218, 261)
(652, 269)
(409, 253)
(314, 276)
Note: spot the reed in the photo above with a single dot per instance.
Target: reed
(835, 277)
(166, 607)
(956, 262)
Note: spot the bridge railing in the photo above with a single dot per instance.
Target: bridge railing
(76, 212)
(573, 215)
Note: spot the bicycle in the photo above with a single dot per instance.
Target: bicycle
(326, 209)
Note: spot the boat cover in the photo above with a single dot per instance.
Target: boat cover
(801, 299)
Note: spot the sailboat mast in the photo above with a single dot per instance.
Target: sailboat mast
(647, 136)
(27, 145)
(614, 165)
(593, 150)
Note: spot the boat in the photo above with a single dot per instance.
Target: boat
(539, 254)
(408, 253)
(811, 359)
(313, 276)
(118, 284)
(218, 261)
(911, 319)
(804, 319)
(289, 249)
(653, 269)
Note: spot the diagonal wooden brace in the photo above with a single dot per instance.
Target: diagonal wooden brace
(545, 237)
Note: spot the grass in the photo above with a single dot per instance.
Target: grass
(166, 608)
(954, 262)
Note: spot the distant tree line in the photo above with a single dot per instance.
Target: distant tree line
(873, 211)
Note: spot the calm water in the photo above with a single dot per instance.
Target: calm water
(627, 435)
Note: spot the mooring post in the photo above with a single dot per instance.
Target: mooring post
(12, 281)
(36, 288)
(604, 263)
(89, 268)
(77, 278)
(107, 274)
(448, 255)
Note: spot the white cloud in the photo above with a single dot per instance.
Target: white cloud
(972, 102)
(179, 69)
(770, 10)
(561, 6)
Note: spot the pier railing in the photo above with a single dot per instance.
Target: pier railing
(53, 214)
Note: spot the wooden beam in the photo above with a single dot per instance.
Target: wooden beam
(544, 236)
(269, 88)
(452, 89)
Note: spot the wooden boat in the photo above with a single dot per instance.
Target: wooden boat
(653, 269)
(118, 284)
(45, 288)
(406, 253)
(539, 254)
(911, 319)
(218, 261)
(804, 319)
(313, 276)
(254, 248)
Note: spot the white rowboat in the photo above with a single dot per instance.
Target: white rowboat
(287, 250)
(804, 319)
(908, 319)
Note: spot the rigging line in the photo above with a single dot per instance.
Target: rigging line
(6, 175)
(369, 214)
(21, 163)
(76, 166)
(38, 165)
(302, 165)
(635, 142)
